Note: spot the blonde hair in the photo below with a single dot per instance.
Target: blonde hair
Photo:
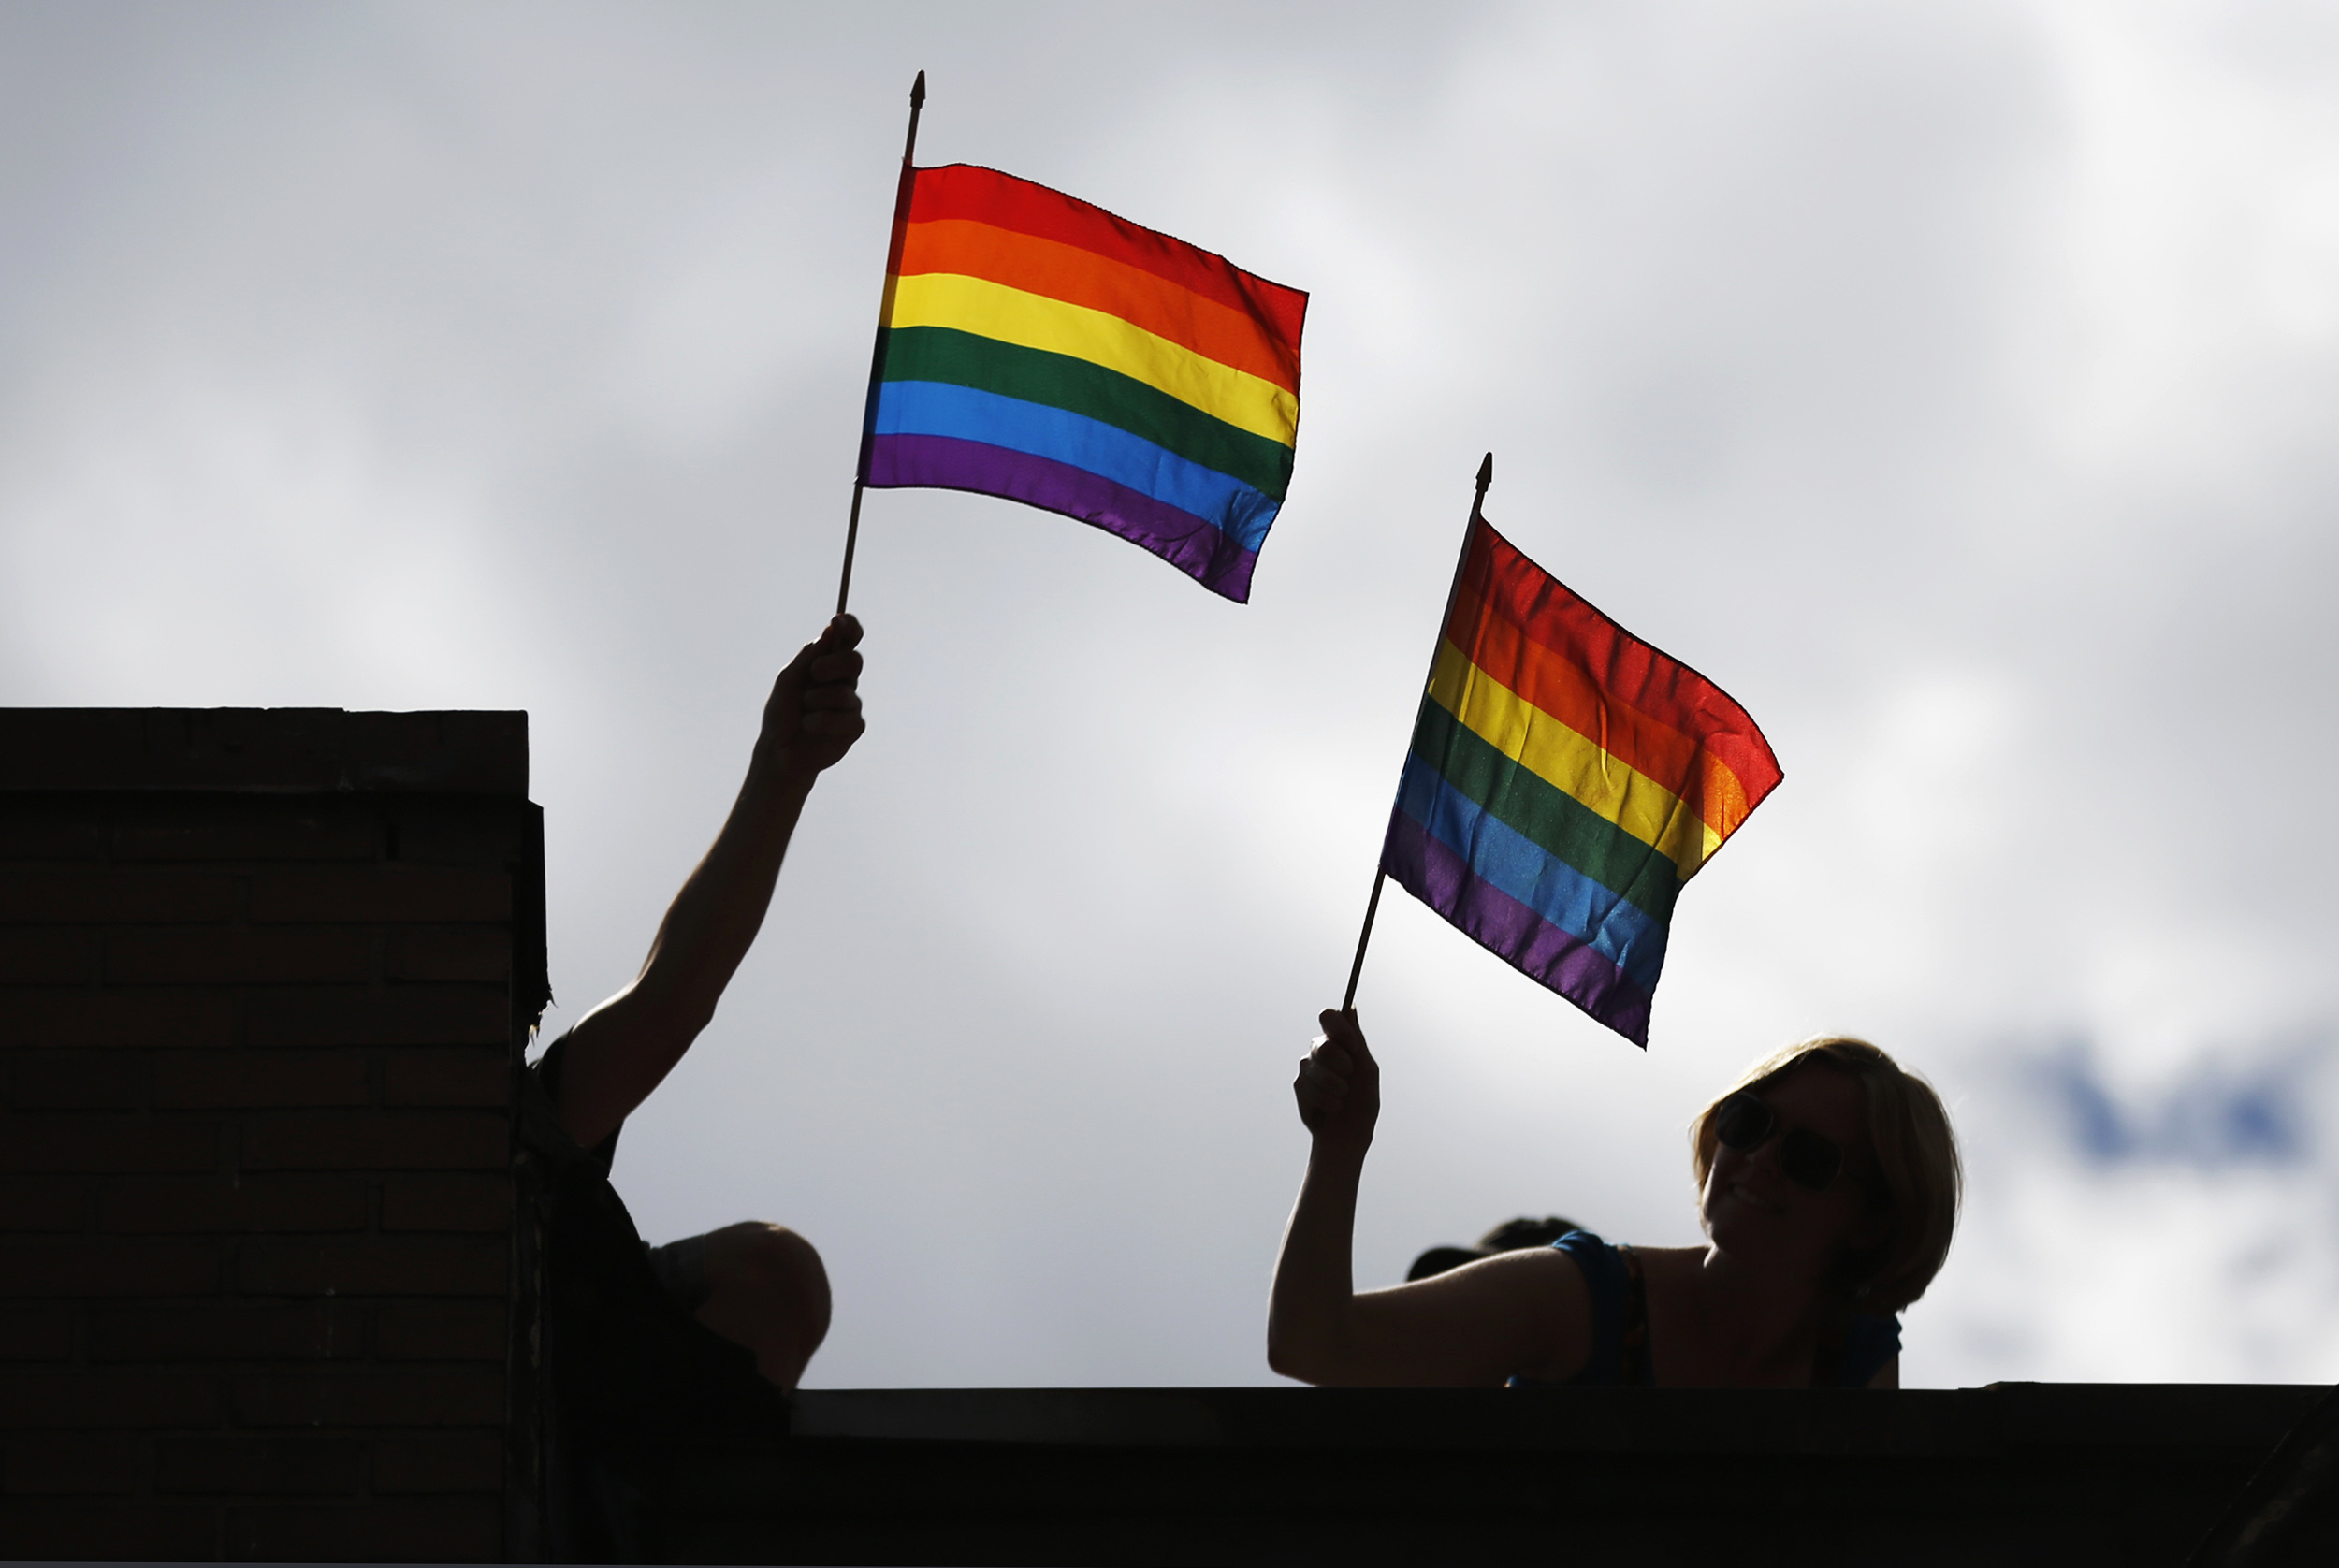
(1916, 1163)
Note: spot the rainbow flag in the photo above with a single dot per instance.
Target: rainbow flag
(1565, 779)
(1041, 348)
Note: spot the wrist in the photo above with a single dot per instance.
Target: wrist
(782, 767)
(1339, 1153)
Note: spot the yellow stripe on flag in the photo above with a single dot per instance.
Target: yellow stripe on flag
(1569, 762)
(1034, 320)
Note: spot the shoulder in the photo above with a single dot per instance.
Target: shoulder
(541, 1127)
(1553, 1274)
(1552, 1297)
(1584, 1249)
(1596, 1266)
(1590, 1336)
(1611, 1266)
(1663, 1268)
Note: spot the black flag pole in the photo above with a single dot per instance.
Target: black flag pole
(1380, 874)
(885, 313)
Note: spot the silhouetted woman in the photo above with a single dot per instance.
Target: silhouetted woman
(1828, 1186)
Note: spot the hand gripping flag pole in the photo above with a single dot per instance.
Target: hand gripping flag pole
(885, 315)
(1380, 874)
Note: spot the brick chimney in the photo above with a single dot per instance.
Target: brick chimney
(265, 977)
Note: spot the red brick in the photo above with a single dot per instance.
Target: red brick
(400, 1015)
(35, 1203)
(410, 1397)
(448, 952)
(281, 1466)
(377, 894)
(85, 1267)
(77, 1080)
(204, 955)
(382, 1266)
(152, 1204)
(50, 955)
(448, 1203)
(124, 897)
(42, 1333)
(254, 829)
(112, 1532)
(110, 1144)
(402, 1140)
(69, 1466)
(99, 1019)
(263, 1078)
(454, 1530)
(230, 1330)
(51, 830)
(108, 1398)
(441, 1331)
(457, 1463)
(479, 1075)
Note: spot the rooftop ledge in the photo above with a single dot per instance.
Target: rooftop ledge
(264, 750)
(2010, 1473)
(1917, 1421)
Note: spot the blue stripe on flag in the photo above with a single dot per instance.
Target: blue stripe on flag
(933, 408)
(1516, 865)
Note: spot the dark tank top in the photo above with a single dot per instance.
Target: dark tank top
(1620, 1326)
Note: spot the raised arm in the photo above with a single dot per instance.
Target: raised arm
(621, 1050)
(1523, 1312)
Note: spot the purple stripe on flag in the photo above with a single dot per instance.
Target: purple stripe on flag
(1189, 542)
(1441, 879)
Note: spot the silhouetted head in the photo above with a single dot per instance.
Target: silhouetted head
(1827, 1158)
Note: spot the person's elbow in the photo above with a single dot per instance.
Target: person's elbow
(1281, 1362)
(1304, 1357)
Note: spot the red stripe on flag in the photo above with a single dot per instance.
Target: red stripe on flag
(986, 195)
(1499, 580)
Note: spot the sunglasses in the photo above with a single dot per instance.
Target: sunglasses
(1746, 1124)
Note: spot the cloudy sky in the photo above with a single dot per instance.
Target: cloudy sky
(1953, 382)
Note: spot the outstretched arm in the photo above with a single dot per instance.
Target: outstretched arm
(621, 1050)
(1524, 1312)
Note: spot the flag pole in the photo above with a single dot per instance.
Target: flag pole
(1380, 874)
(885, 313)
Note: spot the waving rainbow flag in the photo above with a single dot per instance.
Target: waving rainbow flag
(1041, 348)
(1565, 779)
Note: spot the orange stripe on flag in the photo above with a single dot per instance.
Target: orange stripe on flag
(1079, 277)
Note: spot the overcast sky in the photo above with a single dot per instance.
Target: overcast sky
(1953, 383)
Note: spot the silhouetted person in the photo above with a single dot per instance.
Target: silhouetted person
(695, 1340)
(1828, 1185)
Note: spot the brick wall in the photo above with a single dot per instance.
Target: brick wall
(265, 978)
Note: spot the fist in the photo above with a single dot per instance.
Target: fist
(814, 714)
(1339, 1086)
